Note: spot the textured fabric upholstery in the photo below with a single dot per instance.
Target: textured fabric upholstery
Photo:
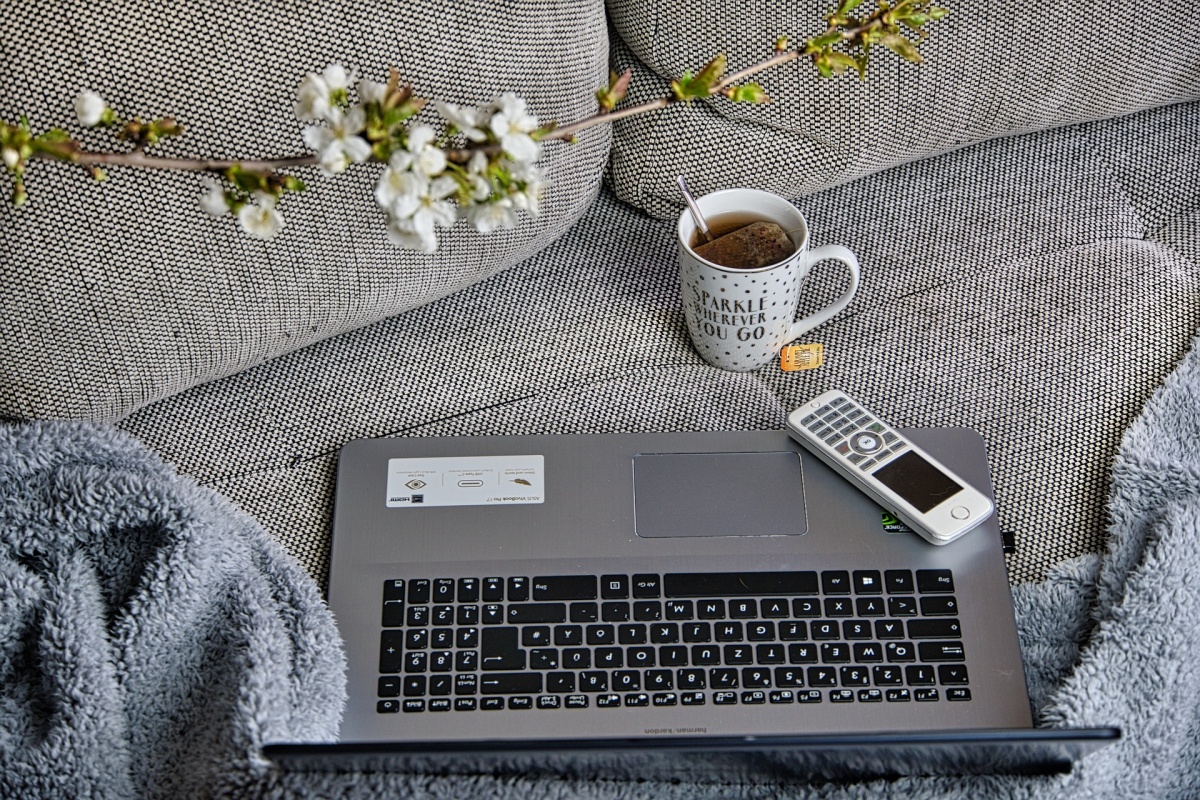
(1034, 288)
(115, 295)
(991, 69)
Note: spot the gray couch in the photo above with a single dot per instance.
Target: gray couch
(1027, 215)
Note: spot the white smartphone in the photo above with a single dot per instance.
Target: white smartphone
(888, 468)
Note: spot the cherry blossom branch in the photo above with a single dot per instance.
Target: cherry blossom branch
(481, 166)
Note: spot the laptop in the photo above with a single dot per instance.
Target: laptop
(666, 604)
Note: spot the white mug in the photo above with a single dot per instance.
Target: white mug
(739, 319)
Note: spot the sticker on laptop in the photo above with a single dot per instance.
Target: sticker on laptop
(465, 481)
(893, 524)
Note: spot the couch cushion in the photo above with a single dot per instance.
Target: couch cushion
(117, 294)
(991, 69)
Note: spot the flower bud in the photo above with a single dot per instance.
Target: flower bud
(89, 108)
(12, 157)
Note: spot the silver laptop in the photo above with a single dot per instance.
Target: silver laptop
(680, 593)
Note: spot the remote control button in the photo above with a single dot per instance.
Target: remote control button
(866, 443)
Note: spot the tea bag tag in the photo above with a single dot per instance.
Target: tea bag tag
(796, 357)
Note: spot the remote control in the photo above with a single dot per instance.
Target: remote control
(888, 468)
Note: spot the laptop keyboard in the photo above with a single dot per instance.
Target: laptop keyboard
(612, 641)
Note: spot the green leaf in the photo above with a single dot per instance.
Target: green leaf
(901, 47)
(840, 62)
(608, 96)
(747, 93)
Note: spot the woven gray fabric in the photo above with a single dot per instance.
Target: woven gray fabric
(114, 295)
(1017, 287)
(991, 68)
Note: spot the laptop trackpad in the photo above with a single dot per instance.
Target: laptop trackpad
(718, 494)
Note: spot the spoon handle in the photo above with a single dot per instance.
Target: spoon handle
(696, 215)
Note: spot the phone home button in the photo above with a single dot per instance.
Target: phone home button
(960, 512)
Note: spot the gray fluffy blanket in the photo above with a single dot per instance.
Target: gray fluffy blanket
(151, 637)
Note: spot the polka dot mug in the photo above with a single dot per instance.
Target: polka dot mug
(740, 318)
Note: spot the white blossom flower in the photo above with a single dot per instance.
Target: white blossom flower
(417, 230)
(339, 144)
(398, 190)
(317, 95)
(512, 125)
(428, 158)
(371, 91)
(467, 120)
(488, 217)
(262, 221)
(528, 199)
(11, 157)
(89, 108)
(213, 201)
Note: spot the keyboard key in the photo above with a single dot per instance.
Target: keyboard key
(822, 677)
(900, 651)
(854, 676)
(756, 678)
(869, 607)
(600, 634)
(520, 703)
(647, 610)
(898, 581)
(632, 634)
(391, 651)
(468, 590)
(389, 686)
(518, 589)
(889, 629)
(418, 591)
(499, 649)
(934, 629)
(743, 609)
(867, 582)
(393, 590)
(576, 658)
(867, 652)
(802, 653)
(511, 683)
(493, 590)
(941, 651)
(937, 606)
(614, 612)
(664, 633)
(934, 581)
(835, 581)
(565, 587)
(608, 701)
(691, 679)
(659, 680)
(647, 586)
(769, 654)
(739, 654)
(887, 676)
(614, 587)
(675, 655)
(640, 657)
(705, 655)
(948, 675)
(723, 678)
(609, 657)
(549, 701)
(807, 607)
(958, 694)
(902, 606)
(393, 613)
(838, 607)
(729, 632)
(443, 590)
(415, 685)
(387, 707)
(739, 584)
(725, 698)
(568, 635)
(522, 613)
(835, 653)
(679, 609)
(585, 612)
(774, 608)
(919, 675)
(593, 681)
(710, 609)
(760, 631)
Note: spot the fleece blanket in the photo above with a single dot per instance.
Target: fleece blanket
(152, 637)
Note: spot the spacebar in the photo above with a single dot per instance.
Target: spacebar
(731, 584)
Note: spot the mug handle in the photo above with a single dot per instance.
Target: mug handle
(836, 252)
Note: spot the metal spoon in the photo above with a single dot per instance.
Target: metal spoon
(696, 215)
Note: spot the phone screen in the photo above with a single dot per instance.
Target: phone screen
(919, 483)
